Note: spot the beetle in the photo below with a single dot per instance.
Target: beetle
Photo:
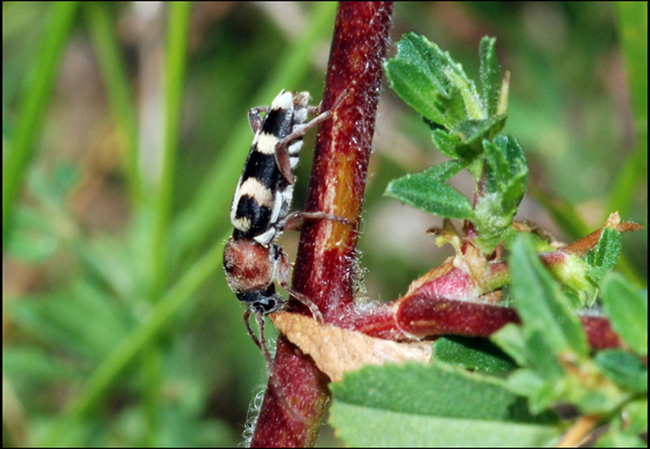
(260, 212)
(260, 207)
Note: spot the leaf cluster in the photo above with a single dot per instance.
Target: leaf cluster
(544, 363)
(551, 347)
(465, 125)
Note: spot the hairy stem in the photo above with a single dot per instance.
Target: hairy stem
(327, 253)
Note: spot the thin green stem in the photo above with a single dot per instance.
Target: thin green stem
(37, 94)
(118, 89)
(179, 16)
(152, 378)
(175, 65)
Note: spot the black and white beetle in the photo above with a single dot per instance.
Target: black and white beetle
(259, 211)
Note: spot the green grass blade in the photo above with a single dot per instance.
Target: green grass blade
(633, 33)
(107, 47)
(37, 95)
(633, 29)
(175, 65)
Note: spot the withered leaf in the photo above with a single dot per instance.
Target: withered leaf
(337, 351)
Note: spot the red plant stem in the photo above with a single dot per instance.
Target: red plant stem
(419, 315)
(439, 306)
(424, 316)
(327, 254)
(600, 333)
(305, 389)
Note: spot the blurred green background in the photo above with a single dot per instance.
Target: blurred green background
(124, 133)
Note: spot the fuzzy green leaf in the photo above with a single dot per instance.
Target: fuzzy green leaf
(497, 164)
(416, 89)
(627, 309)
(490, 75)
(541, 305)
(507, 169)
(446, 143)
(546, 382)
(553, 349)
(625, 369)
(428, 191)
(428, 80)
(510, 338)
(472, 353)
(507, 179)
(540, 391)
(433, 405)
(472, 132)
(605, 256)
(473, 107)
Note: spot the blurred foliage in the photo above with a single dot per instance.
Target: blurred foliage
(118, 327)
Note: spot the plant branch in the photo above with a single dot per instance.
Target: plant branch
(327, 254)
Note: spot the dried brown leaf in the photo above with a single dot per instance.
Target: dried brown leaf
(337, 351)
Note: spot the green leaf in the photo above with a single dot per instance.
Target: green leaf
(605, 256)
(540, 303)
(415, 88)
(428, 191)
(472, 353)
(490, 75)
(540, 392)
(541, 382)
(637, 411)
(507, 165)
(433, 405)
(627, 309)
(465, 138)
(472, 132)
(625, 369)
(446, 143)
(506, 182)
(511, 339)
(498, 165)
(429, 81)
(473, 107)
(616, 438)
(551, 345)
(540, 355)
